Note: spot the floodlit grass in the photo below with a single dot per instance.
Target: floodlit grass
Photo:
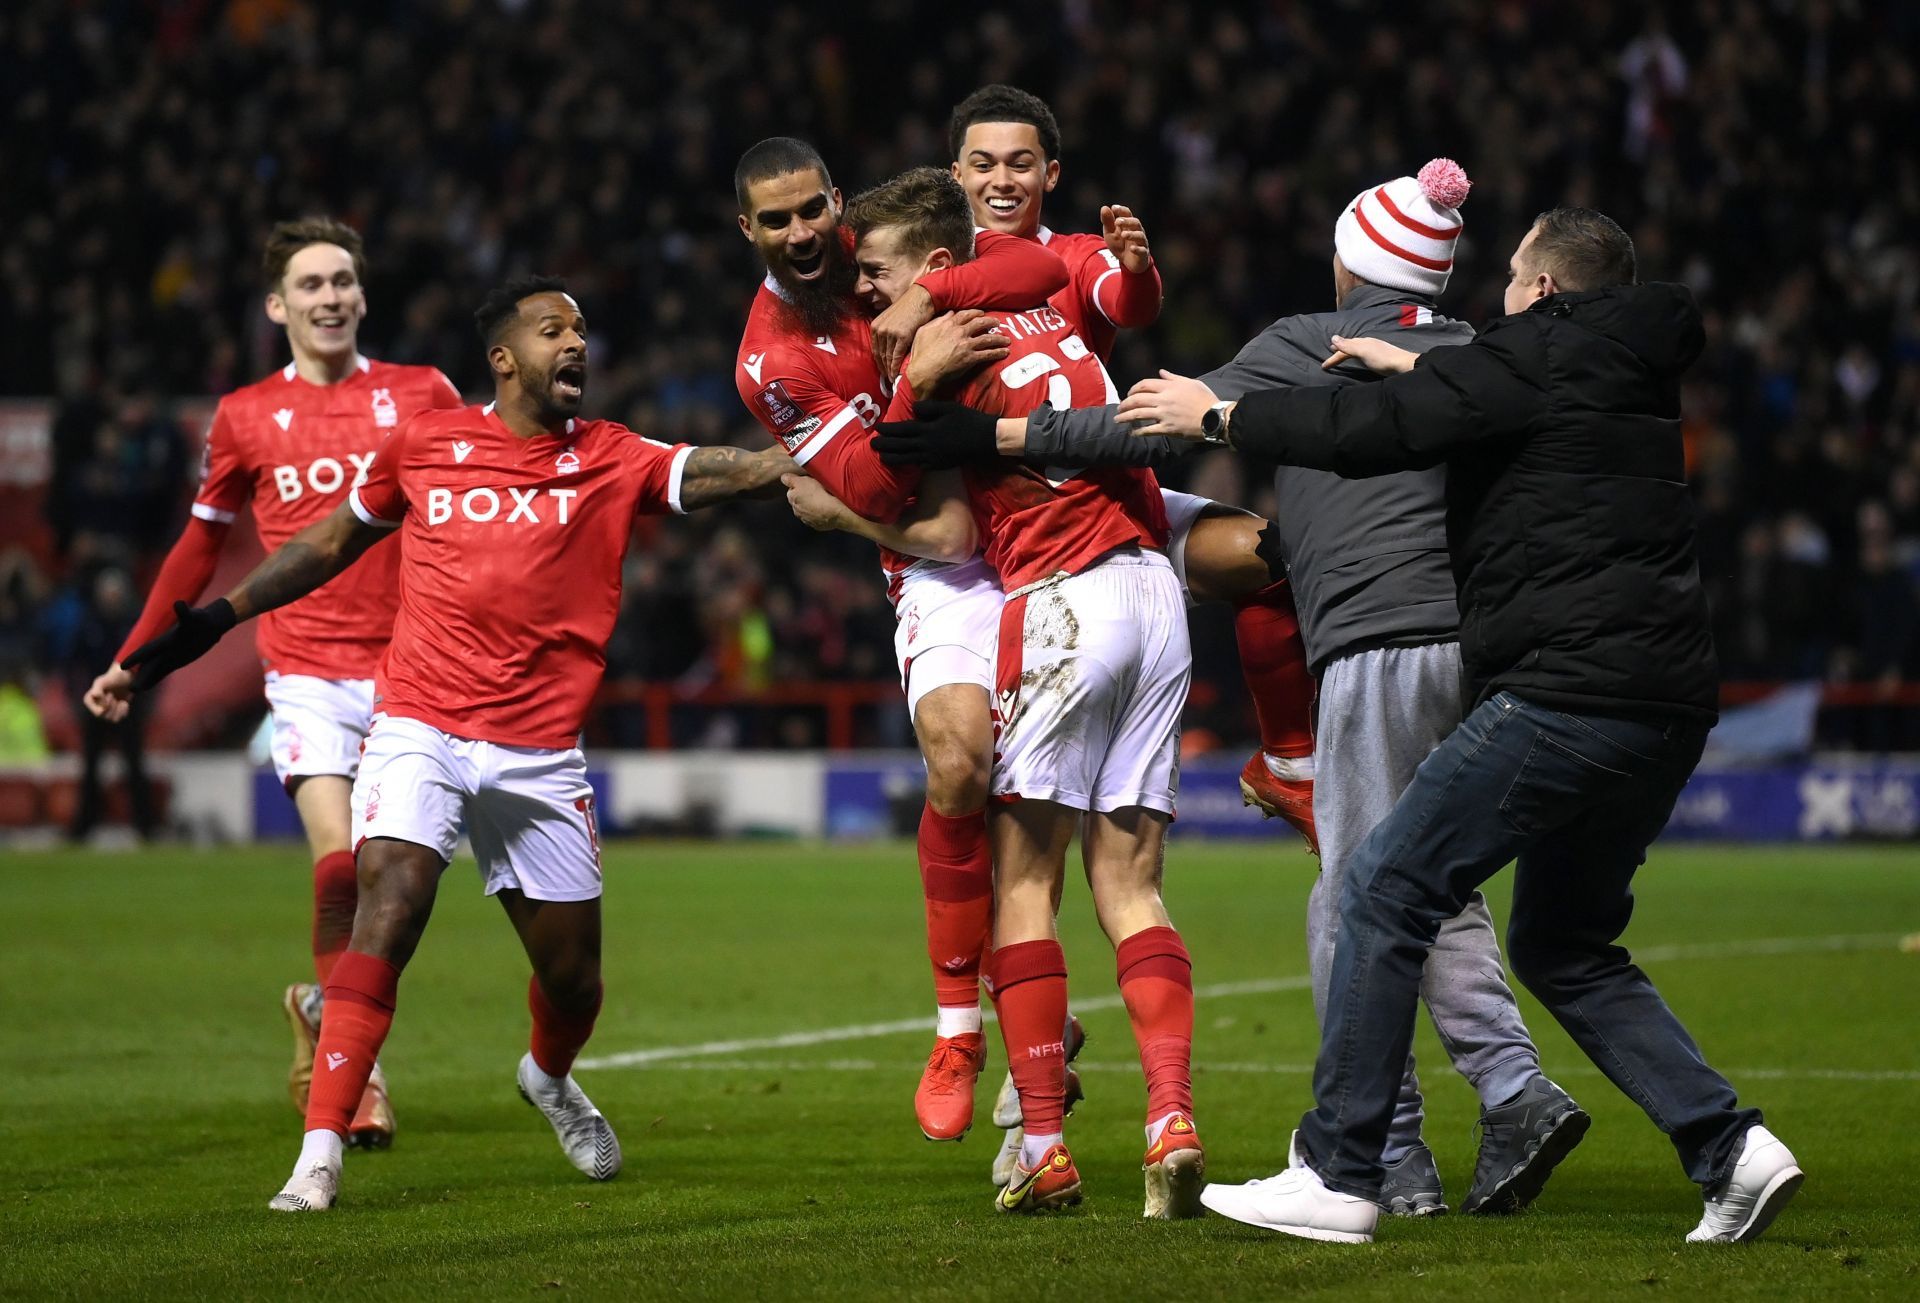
(146, 1121)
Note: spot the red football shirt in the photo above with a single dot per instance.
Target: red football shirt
(1042, 521)
(510, 556)
(822, 395)
(295, 449)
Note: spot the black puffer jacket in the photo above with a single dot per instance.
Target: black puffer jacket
(1568, 517)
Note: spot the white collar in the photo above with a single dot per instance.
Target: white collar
(361, 364)
(488, 411)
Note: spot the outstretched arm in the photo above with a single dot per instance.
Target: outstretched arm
(304, 562)
(723, 473)
(294, 569)
(939, 526)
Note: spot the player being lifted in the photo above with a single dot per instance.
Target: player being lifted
(807, 372)
(294, 444)
(1091, 675)
(514, 519)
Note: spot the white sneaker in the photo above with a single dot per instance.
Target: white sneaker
(1763, 1179)
(1009, 1154)
(311, 1189)
(585, 1137)
(1296, 1202)
(1006, 1107)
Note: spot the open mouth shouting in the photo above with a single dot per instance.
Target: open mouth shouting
(807, 264)
(570, 380)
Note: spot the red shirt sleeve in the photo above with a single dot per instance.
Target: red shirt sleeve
(1008, 273)
(226, 475)
(183, 577)
(379, 499)
(658, 467)
(827, 435)
(1130, 300)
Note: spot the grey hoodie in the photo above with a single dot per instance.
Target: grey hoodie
(1367, 558)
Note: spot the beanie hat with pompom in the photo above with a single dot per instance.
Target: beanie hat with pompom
(1401, 235)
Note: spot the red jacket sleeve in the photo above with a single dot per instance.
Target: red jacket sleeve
(183, 577)
(1008, 273)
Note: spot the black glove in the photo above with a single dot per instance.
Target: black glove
(940, 434)
(196, 629)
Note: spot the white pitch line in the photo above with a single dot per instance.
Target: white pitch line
(1242, 1069)
(899, 1026)
(1219, 990)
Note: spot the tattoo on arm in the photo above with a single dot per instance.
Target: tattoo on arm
(721, 473)
(303, 563)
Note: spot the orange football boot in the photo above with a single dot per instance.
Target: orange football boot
(944, 1102)
(1176, 1168)
(1289, 799)
(1054, 1183)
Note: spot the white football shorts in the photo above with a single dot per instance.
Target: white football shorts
(948, 623)
(318, 725)
(1182, 510)
(1092, 675)
(527, 811)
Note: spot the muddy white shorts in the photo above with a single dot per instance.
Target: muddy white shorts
(527, 811)
(949, 622)
(318, 725)
(1092, 675)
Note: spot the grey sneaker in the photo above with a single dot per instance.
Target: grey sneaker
(1521, 1142)
(1411, 1187)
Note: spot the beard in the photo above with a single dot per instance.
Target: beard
(823, 304)
(551, 408)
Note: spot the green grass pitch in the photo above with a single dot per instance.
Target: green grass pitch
(146, 1122)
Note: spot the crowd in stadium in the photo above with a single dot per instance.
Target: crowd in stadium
(152, 147)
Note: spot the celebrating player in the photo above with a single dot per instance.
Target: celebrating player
(514, 520)
(807, 372)
(295, 443)
(1006, 153)
(1091, 674)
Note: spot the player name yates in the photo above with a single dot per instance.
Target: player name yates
(510, 506)
(1034, 321)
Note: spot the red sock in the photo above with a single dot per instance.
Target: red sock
(557, 1034)
(1029, 985)
(1273, 661)
(353, 1027)
(956, 877)
(336, 891)
(1156, 981)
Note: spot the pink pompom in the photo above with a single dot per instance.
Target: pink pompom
(1445, 182)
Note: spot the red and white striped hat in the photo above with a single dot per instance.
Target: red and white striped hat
(1401, 235)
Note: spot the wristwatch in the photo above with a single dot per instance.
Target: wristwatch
(1213, 424)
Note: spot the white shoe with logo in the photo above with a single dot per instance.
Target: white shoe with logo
(1296, 1202)
(311, 1189)
(586, 1138)
(1763, 1179)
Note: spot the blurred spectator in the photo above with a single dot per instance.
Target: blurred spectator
(1753, 149)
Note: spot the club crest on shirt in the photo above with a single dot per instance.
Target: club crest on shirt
(385, 411)
(567, 462)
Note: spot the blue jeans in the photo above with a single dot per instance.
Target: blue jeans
(1576, 799)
